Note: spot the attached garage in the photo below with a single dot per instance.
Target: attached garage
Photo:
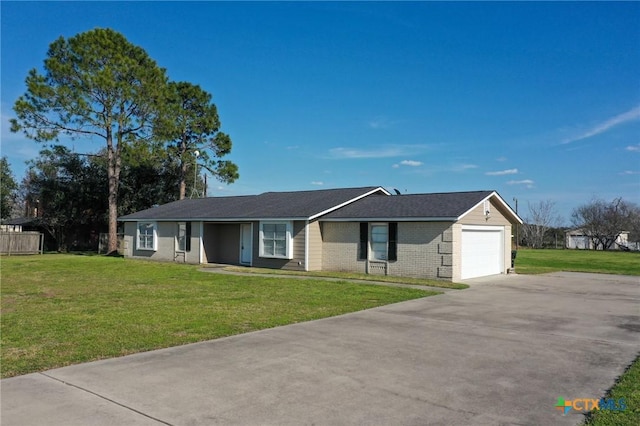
(482, 251)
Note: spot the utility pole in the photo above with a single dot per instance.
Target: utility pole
(195, 175)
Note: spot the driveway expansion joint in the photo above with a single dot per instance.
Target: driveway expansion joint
(106, 399)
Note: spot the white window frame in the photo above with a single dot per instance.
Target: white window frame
(385, 254)
(154, 241)
(178, 248)
(288, 239)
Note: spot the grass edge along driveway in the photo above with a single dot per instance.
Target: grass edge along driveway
(60, 309)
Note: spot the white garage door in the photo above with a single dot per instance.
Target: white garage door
(482, 251)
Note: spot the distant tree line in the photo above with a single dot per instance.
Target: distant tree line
(601, 221)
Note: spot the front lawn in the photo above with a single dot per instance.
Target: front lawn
(65, 309)
(530, 261)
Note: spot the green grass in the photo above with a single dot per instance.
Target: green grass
(608, 262)
(65, 309)
(627, 387)
(352, 276)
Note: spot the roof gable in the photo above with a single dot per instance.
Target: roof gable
(449, 206)
(417, 206)
(511, 215)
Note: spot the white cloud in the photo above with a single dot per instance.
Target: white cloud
(410, 163)
(376, 152)
(527, 182)
(629, 172)
(634, 148)
(316, 182)
(501, 159)
(463, 167)
(631, 115)
(503, 172)
(381, 123)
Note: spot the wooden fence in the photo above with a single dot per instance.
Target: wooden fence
(21, 243)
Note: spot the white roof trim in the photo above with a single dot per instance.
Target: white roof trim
(315, 216)
(500, 201)
(213, 219)
(392, 219)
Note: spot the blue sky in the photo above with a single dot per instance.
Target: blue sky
(539, 101)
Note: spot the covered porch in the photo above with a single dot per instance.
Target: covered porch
(228, 243)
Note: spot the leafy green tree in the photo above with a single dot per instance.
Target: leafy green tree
(70, 194)
(149, 177)
(68, 190)
(96, 84)
(8, 189)
(191, 127)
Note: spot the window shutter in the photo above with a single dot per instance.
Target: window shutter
(188, 237)
(364, 241)
(393, 241)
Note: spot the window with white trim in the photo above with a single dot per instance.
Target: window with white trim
(379, 241)
(275, 239)
(147, 236)
(181, 237)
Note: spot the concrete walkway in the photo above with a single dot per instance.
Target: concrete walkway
(501, 352)
(221, 270)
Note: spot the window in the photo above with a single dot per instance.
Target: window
(382, 238)
(147, 238)
(379, 239)
(181, 237)
(275, 240)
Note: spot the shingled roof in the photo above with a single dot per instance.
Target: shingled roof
(444, 206)
(269, 205)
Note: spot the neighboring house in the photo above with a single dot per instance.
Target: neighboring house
(449, 236)
(581, 239)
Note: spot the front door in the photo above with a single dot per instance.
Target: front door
(245, 243)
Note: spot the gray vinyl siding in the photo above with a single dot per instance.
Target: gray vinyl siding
(166, 244)
(315, 247)
(298, 244)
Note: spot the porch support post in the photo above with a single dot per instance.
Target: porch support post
(306, 245)
(201, 242)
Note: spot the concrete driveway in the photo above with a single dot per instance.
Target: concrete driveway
(501, 352)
